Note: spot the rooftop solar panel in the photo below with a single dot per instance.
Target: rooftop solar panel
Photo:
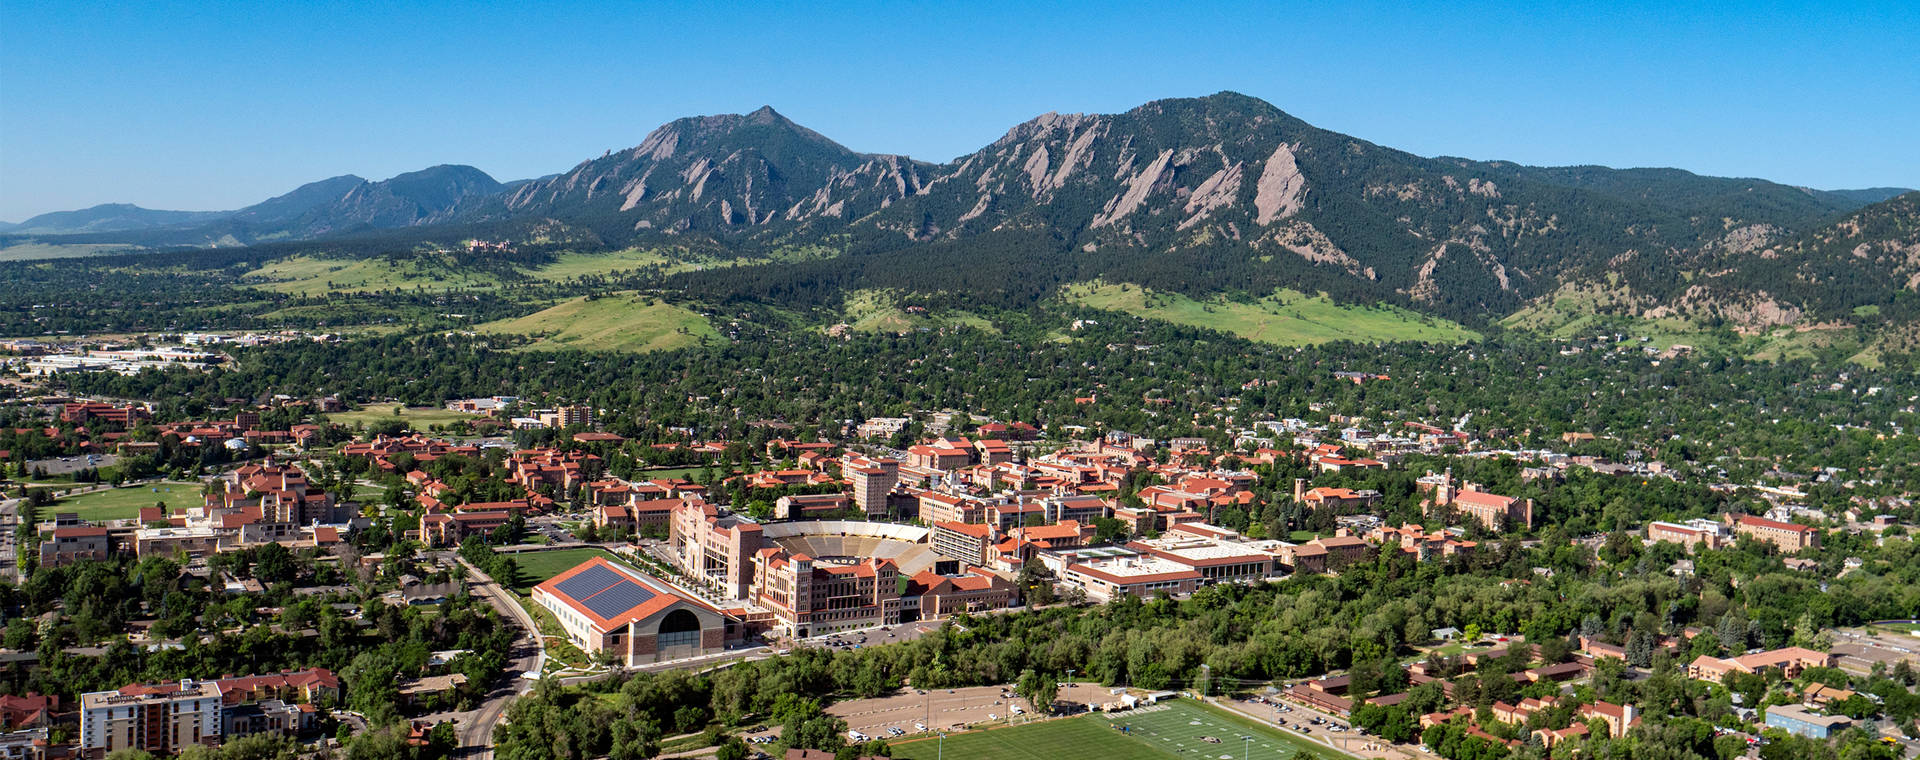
(618, 598)
(590, 581)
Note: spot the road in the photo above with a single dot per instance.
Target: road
(476, 732)
(9, 541)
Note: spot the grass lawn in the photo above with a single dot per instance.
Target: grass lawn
(1171, 730)
(125, 503)
(537, 567)
(1286, 318)
(683, 473)
(417, 417)
(617, 322)
(560, 653)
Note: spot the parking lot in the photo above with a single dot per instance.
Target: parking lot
(933, 708)
(891, 634)
(65, 465)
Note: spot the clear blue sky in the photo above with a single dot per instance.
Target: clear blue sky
(195, 106)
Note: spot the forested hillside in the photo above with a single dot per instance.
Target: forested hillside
(1224, 196)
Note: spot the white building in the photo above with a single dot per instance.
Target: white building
(157, 718)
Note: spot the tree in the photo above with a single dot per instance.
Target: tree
(272, 563)
(1038, 689)
(732, 749)
(1036, 584)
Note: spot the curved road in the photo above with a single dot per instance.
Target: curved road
(476, 734)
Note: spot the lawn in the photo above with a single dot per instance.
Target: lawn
(416, 417)
(1170, 730)
(617, 322)
(537, 567)
(125, 503)
(684, 473)
(1286, 318)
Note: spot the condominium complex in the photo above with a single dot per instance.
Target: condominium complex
(158, 718)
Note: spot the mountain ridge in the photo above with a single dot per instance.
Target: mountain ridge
(1221, 193)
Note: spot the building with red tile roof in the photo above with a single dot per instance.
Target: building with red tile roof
(1788, 537)
(607, 607)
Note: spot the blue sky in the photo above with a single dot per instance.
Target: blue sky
(206, 105)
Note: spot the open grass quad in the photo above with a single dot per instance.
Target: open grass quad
(126, 503)
(419, 418)
(536, 567)
(1169, 730)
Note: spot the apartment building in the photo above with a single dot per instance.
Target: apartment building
(1689, 533)
(73, 544)
(1787, 537)
(872, 480)
(158, 718)
(967, 542)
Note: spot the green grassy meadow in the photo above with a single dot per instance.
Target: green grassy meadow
(306, 275)
(877, 311)
(1286, 318)
(616, 322)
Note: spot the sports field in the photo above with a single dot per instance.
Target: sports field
(125, 503)
(537, 567)
(1168, 730)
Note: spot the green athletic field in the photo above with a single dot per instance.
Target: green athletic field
(1172, 729)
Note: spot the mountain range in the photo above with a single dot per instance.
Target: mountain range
(1219, 193)
(317, 209)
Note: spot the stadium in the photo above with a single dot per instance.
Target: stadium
(848, 542)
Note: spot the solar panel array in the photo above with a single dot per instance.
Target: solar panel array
(604, 592)
(588, 582)
(617, 599)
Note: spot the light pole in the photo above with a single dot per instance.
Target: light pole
(1069, 680)
(1245, 743)
(941, 746)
